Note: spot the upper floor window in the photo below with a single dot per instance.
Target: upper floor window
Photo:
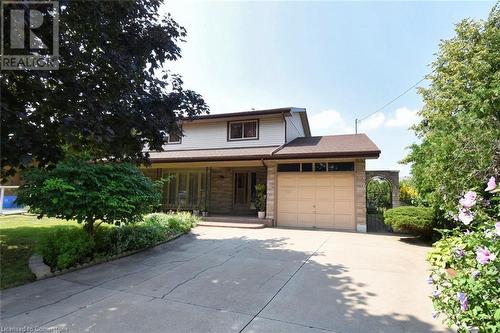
(243, 130)
(174, 137)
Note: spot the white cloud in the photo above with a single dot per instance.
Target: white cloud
(374, 121)
(329, 122)
(403, 117)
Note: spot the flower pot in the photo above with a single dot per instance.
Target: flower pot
(196, 212)
(204, 213)
(261, 215)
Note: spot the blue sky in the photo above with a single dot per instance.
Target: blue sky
(340, 60)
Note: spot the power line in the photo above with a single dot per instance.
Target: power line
(357, 121)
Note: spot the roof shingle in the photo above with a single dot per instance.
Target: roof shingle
(334, 145)
(351, 145)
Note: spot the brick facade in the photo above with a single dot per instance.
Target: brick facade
(221, 190)
(271, 190)
(222, 187)
(360, 195)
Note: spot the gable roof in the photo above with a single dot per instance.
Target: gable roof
(351, 145)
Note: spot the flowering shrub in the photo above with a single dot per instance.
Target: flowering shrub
(465, 265)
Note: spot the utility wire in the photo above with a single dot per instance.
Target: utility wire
(357, 121)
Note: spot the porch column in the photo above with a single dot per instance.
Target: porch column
(360, 195)
(271, 189)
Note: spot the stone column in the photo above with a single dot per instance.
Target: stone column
(360, 193)
(271, 189)
(395, 192)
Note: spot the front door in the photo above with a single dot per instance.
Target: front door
(244, 190)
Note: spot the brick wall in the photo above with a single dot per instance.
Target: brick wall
(221, 187)
(271, 189)
(221, 190)
(360, 195)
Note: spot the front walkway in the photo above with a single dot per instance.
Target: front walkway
(240, 280)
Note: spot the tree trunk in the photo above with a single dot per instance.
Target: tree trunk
(89, 228)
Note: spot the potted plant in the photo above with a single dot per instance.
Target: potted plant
(260, 200)
(204, 211)
(196, 209)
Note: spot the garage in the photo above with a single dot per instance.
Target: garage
(316, 199)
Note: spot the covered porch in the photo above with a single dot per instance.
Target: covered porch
(218, 188)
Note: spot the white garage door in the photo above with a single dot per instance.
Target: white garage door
(320, 200)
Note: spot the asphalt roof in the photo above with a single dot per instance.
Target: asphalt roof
(331, 145)
(350, 145)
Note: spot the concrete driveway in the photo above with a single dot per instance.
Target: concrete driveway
(239, 280)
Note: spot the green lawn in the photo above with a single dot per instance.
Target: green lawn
(18, 237)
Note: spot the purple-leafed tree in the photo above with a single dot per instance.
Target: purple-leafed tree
(112, 94)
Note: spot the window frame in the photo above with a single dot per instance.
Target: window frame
(229, 123)
(330, 166)
(314, 168)
(175, 142)
(283, 165)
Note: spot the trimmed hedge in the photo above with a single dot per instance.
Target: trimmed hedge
(179, 222)
(410, 219)
(67, 248)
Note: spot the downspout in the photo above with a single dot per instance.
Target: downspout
(284, 122)
(264, 164)
(281, 146)
(278, 149)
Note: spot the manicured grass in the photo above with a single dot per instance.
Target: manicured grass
(18, 237)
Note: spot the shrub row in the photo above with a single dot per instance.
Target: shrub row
(66, 248)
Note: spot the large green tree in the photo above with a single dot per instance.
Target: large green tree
(113, 193)
(460, 127)
(112, 94)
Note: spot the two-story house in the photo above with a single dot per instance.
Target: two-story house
(311, 181)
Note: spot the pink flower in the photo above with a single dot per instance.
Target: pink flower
(468, 200)
(497, 228)
(464, 302)
(491, 185)
(459, 252)
(465, 216)
(483, 255)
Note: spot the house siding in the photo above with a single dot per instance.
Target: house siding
(294, 127)
(207, 135)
